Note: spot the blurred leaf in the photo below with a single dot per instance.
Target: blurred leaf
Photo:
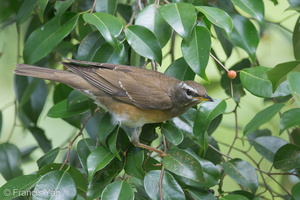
(26, 10)
(226, 44)
(199, 194)
(20, 184)
(134, 163)
(243, 173)
(218, 17)
(107, 54)
(61, 92)
(172, 133)
(294, 82)
(89, 46)
(62, 6)
(262, 117)
(106, 126)
(125, 11)
(279, 73)
(256, 82)
(295, 134)
(171, 189)
(196, 50)
(1, 121)
(60, 110)
(144, 42)
(244, 35)
(289, 119)
(41, 9)
(47, 158)
(77, 101)
(77, 176)
(267, 146)
(180, 70)
(106, 6)
(233, 197)
(55, 184)
(41, 138)
(150, 18)
(44, 39)
(181, 17)
(183, 164)
(253, 8)
(84, 148)
(97, 160)
(287, 157)
(10, 165)
(109, 26)
(112, 143)
(259, 133)
(296, 39)
(118, 190)
(296, 191)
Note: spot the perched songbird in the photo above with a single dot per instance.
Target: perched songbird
(134, 96)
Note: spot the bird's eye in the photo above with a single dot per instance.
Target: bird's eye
(188, 92)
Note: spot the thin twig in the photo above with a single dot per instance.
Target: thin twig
(236, 136)
(211, 55)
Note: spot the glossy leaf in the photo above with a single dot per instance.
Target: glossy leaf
(144, 42)
(171, 189)
(60, 110)
(180, 70)
(294, 82)
(196, 50)
(134, 162)
(106, 6)
(296, 40)
(233, 197)
(109, 26)
(243, 173)
(289, 119)
(118, 190)
(256, 82)
(26, 10)
(287, 157)
(172, 133)
(244, 35)
(97, 160)
(16, 186)
(279, 73)
(262, 117)
(10, 164)
(107, 54)
(181, 17)
(253, 8)
(106, 126)
(49, 157)
(199, 194)
(218, 17)
(112, 143)
(62, 6)
(296, 191)
(41, 9)
(44, 39)
(183, 164)
(267, 146)
(84, 148)
(55, 185)
(150, 18)
(77, 101)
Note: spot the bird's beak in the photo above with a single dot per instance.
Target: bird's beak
(205, 98)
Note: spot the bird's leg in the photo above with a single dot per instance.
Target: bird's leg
(136, 142)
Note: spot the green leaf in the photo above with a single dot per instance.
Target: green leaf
(134, 163)
(199, 194)
(77, 101)
(262, 117)
(218, 17)
(287, 157)
(106, 126)
(180, 70)
(181, 17)
(10, 164)
(289, 119)
(55, 185)
(294, 82)
(41, 9)
(256, 82)
(118, 190)
(233, 197)
(62, 6)
(60, 110)
(17, 186)
(267, 146)
(150, 18)
(47, 158)
(112, 143)
(253, 8)
(109, 26)
(244, 35)
(144, 42)
(171, 189)
(279, 73)
(1, 121)
(26, 10)
(172, 133)
(44, 39)
(106, 6)
(97, 160)
(196, 50)
(84, 148)
(183, 164)
(41, 138)
(243, 173)
(296, 191)
(107, 54)
(296, 40)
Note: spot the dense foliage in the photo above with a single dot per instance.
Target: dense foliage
(100, 161)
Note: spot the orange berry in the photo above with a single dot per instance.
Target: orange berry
(231, 74)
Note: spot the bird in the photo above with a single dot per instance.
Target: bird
(133, 96)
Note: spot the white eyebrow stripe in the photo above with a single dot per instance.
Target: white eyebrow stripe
(185, 86)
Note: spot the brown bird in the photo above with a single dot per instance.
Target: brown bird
(134, 96)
